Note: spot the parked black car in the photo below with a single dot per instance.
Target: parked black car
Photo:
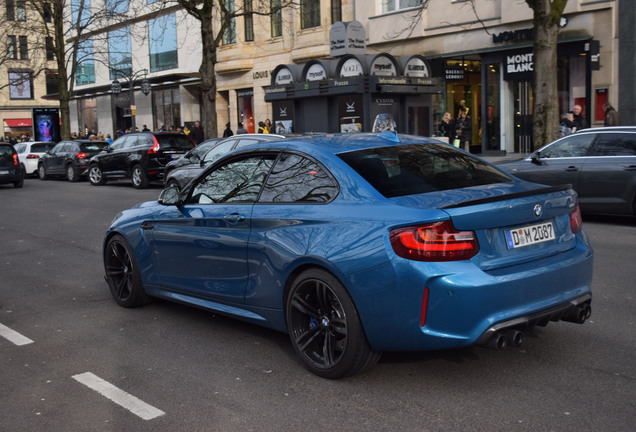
(193, 156)
(599, 163)
(182, 175)
(69, 158)
(141, 157)
(10, 170)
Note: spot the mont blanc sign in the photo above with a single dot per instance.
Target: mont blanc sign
(519, 66)
(347, 38)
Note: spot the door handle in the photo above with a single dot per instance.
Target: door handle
(572, 168)
(630, 168)
(147, 226)
(234, 218)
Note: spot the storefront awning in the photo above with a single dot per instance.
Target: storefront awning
(18, 122)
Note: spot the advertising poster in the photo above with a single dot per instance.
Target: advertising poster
(350, 113)
(283, 117)
(46, 124)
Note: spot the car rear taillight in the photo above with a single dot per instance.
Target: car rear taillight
(438, 241)
(576, 221)
(16, 161)
(155, 148)
(81, 155)
(33, 156)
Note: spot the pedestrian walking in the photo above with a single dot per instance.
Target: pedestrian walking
(241, 129)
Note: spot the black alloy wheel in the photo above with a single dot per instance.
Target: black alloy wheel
(324, 326)
(122, 274)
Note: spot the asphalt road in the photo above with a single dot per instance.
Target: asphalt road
(91, 365)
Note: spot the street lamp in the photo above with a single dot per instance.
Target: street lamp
(145, 89)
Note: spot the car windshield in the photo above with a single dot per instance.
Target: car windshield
(94, 146)
(41, 148)
(413, 169)
(6, 153)
(174, 141)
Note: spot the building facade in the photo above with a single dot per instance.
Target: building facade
(24, 76)
(412, 60)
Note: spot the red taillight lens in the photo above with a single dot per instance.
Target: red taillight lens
(16, 160)
(81, 155)
(155, 148)
(576, 221)
(33, 156)
(424, 308)
(438, 241)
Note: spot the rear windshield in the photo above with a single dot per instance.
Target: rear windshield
(420, 168)
(6, 153)
(41, 148)
(94, 146)
(175, 141)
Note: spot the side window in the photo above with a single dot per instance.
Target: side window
(245, 142)
(615, 144)
(58, 148)
(297, 179)
(218, 151)
(120, 143)
(572, 146)
(20, 148)
(238, 182)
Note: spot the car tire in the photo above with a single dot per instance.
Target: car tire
(96, 176)
(19, 183)
(24, 171)
(71, 174)
(122, 274)
(324, 326)
(139, 177)
(42, 172)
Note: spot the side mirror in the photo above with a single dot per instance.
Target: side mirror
(169, 196)
(536, 158)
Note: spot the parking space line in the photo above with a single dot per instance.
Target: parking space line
(14, 336)
(120, 397)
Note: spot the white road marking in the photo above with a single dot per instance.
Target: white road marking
(120, 397)
(14, 336)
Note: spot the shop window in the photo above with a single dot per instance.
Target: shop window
(245, 105)
(85, 72)
(87, 115)
(167, 108)
(276, 18)
(162, 34)
(336, 11)
(394, 5)
(309, 14)
(229, 34)
(20, 85)
(119, 53)
(249, 22)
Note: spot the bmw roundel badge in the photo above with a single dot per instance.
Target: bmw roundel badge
(538, 210)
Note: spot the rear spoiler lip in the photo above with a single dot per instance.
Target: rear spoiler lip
(497, 198)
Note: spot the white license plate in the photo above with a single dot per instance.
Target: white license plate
(4, 172)
(529, 235)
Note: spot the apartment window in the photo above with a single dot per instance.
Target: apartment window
(394, 5)
(309, 13)
(336, 11)
(81, 10)
(85, 72)
(20, 85)
(229, 34)
(50, 48)
(20, 11)
(114, 7)
(249, 21)
(47, 12)
(12, 47)
(51, 82)
(24, 47)
(276, 18)
(162, 34)
(119, 53)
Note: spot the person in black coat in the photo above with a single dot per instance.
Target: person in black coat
(197, 133)
(227, 132)
(464, 129)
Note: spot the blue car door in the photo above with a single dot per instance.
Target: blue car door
(200, 247)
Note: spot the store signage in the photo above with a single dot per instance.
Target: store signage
(454, 74)
(383, 66)
(519, 67)
(283, 115)
(316, 72)
(593, 49)
(260, 74)
(245, 93)
(283, 76)
(350, 68)
(347, 38)
(417, 67)
(514, 36)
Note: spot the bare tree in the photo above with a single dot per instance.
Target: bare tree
(217, 18)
